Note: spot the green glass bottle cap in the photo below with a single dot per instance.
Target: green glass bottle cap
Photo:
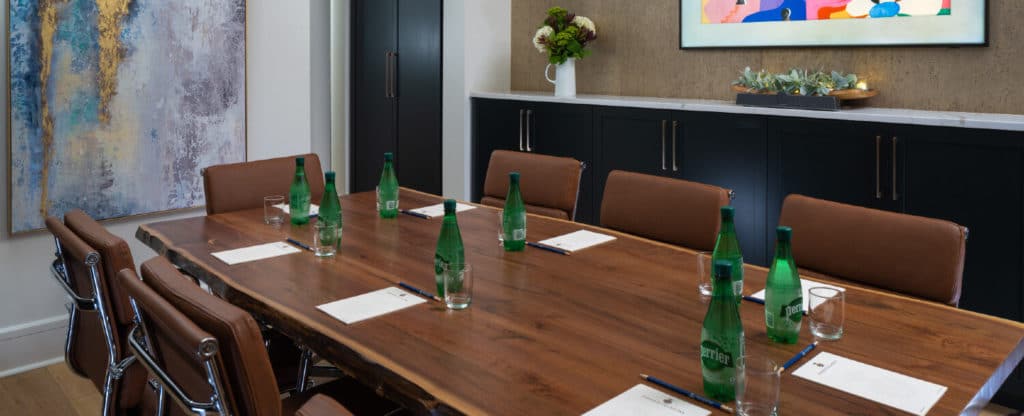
(388, 156)
(329, 176)
(449, 206)
(784, 233)
(514, 177)
(728, 213)
(300, 161)
(723, 269)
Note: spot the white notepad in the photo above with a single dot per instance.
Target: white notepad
(642, 400)
(252, 253)
(370, 305)
(314, 209)
(435, 211)
(893, 389)
(578, 240)
(806, 285)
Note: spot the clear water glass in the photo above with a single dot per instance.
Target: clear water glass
(704, 274)
(272, 213)
(458, 286)
(325, 237)
(501, 227)
(826, 311)
(757, 387)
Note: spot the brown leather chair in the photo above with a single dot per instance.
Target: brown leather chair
(550, 185)
(239, 186)
(88, 259)
(917, 256)
(206, 353)
(673, 211)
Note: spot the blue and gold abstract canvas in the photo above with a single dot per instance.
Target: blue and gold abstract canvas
(116, 105)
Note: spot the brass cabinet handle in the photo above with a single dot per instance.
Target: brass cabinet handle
(664, 125)
(522, 113)
(529, 132)
(675, 126)
(895, 195)
(878, 167)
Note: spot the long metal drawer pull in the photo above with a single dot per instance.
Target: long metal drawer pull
(878, 167)
(522, 112)
(529, 132)
(394, 74)
(675, 127)
(387, 74)
(664, 124)
(895, 196)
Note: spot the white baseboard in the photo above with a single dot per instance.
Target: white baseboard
(32, 345)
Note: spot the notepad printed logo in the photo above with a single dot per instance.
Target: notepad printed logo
(714, 356)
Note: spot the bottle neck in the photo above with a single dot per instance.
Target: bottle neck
(722, 288)
(329, 187)
(728, 226)
(300, 171)
(783, 250)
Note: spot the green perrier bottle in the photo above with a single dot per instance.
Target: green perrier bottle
(330, 208)
(513, 218)
(449, 245)
(721, 338)
(784, 303)
(387, 189)
(298, 195)
(727, 248)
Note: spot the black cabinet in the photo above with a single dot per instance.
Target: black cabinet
(396, 81)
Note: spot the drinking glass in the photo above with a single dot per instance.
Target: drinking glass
(826, 312)
(272, 213)
(757, 387)
(501, 227)
(325, 237)
(704, 273)
(458, 285)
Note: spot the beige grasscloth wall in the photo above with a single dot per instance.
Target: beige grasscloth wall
(637, 53)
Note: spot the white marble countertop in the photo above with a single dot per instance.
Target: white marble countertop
(1010, 122)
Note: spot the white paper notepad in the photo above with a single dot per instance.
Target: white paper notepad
(314, 209)
(435, 211)
(253, 253)
(576, 241)
(893, 389)
(370, 305)
(642, 400)
(806, 285)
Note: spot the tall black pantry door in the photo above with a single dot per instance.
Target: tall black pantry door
(396, 92)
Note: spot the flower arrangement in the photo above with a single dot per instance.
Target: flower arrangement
(795, 82)
(564, 35)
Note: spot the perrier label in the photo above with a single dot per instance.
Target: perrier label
(784, 308)
(721, 337)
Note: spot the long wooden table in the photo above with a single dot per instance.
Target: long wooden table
(554, 334)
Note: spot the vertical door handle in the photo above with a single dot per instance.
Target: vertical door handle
(387, 74)
(522, 114)
(895, 195)
(529, 130)
(878, 167)
(394, 74)
(675, 127)
(664, 125)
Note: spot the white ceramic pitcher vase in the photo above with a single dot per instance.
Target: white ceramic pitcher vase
(565, 78)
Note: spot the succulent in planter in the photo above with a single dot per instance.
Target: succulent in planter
(797, 81)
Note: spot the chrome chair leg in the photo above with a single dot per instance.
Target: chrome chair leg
(305, 361)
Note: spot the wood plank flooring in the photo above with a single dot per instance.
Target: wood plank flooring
(56, 391)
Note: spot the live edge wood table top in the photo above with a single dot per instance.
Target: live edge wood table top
(555, 334)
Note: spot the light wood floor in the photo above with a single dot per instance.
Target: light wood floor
(56, 391)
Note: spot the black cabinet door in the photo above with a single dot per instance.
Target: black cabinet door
(629, 139)
(566, 130)
(418, 95)
(497, 125)
(374, 35)
(729, 151)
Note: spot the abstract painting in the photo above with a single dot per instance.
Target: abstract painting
(751, 23)
(116, 105)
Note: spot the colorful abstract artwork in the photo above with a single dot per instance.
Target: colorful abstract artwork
(726, 23)
(116, 105)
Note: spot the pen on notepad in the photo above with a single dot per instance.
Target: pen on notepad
(548, 248)
(296, 242)
(798, 356)
(415, 214)
(420, 291)
(687, 393)
(753, 299)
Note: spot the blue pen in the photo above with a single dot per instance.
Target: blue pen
(686, 393)
(293, 241)
(753, 299)
(798, 356)
(420, 291)
(415, 214)
(548, 248)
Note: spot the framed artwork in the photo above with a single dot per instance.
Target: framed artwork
(116, 105)
(824, 23)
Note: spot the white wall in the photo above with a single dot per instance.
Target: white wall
(286, 79)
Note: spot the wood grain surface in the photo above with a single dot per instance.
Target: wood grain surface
(554, 334)
(637, 54)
